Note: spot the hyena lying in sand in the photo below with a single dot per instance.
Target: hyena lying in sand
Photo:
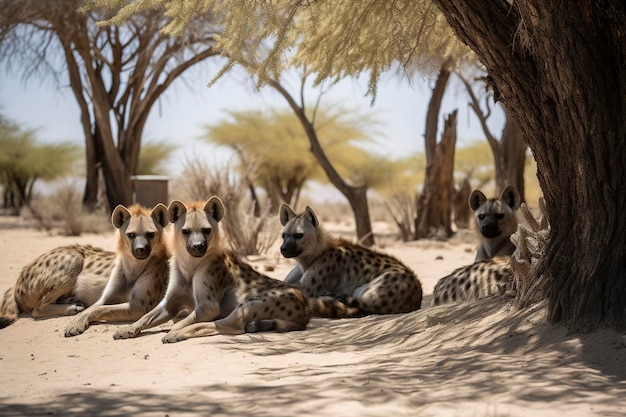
(344, 279)
(213, 289)
(115, 286)
(478, 280)
(495, 220)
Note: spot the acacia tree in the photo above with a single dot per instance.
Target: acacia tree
(24, 161)
(561, 74)
(116, 73)
(275, 142)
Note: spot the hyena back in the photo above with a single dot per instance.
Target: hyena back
(496, 220)
(478, 280)
(341, 278)
(212, 289)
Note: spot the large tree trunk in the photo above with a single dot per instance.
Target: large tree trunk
(561, 72)
(435, 203)
(428, 221)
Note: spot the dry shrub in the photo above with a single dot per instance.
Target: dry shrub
(246, 233)
(402, 208)
(63, 209)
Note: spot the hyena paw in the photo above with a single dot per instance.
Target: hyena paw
(75, 328)
(74, 309)
(173, 338)
(126, 332)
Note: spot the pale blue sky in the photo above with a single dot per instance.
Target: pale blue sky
(181, 113)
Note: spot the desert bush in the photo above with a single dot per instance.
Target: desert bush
(62, 208)
(246, 233)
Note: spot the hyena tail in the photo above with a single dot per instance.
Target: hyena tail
(9, 310)
(333, 308)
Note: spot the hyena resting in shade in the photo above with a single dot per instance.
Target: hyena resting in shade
(344, 279)
(112, 286)
(495, 220)
(211, 291)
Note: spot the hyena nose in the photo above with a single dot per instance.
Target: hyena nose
(289, 249)
(141, 250)
(489, 229)
(196, 247)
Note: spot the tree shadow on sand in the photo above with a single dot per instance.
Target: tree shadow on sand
(484, 353)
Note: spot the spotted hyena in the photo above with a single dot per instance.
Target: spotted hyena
(344, 279)
(211, 291)
(496, 220)
(478, 280)
(100, 285)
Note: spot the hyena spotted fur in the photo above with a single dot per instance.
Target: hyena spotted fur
(481, 279)
(341, 278)
(104, 286)
(496, 220)
(211, 291)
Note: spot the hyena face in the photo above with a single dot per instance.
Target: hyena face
(495, 217)
(140, 230)
(196, 224)
(299, 232)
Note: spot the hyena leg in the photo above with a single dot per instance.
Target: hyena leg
(155, 317)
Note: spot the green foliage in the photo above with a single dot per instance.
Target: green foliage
(333, 38)
(153, 157)
(274, 142)
(23, 161)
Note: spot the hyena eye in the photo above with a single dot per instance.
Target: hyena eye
(186, 231)
(150, 235)
(206, 231)
(298, 235)
(130, 235)
(481, 217)
(500, 216)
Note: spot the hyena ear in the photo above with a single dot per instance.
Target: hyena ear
(310, 214)
(476, 199)
(159, 214)
(512, 197)
(285, 213)
(175, 210)
(119, 216)
(215, 208)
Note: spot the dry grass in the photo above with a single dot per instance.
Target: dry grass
(247, 233)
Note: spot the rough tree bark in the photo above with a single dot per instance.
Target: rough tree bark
(435, 203)
(427, 221)
(561, 73)
(356, 195)
(462, 210)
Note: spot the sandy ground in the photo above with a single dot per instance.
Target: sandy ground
(475, 359)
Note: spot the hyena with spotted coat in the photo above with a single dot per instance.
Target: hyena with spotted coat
(341, 278)
(496, 220)
(103, 285)
(479, 280)
(211, 291)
